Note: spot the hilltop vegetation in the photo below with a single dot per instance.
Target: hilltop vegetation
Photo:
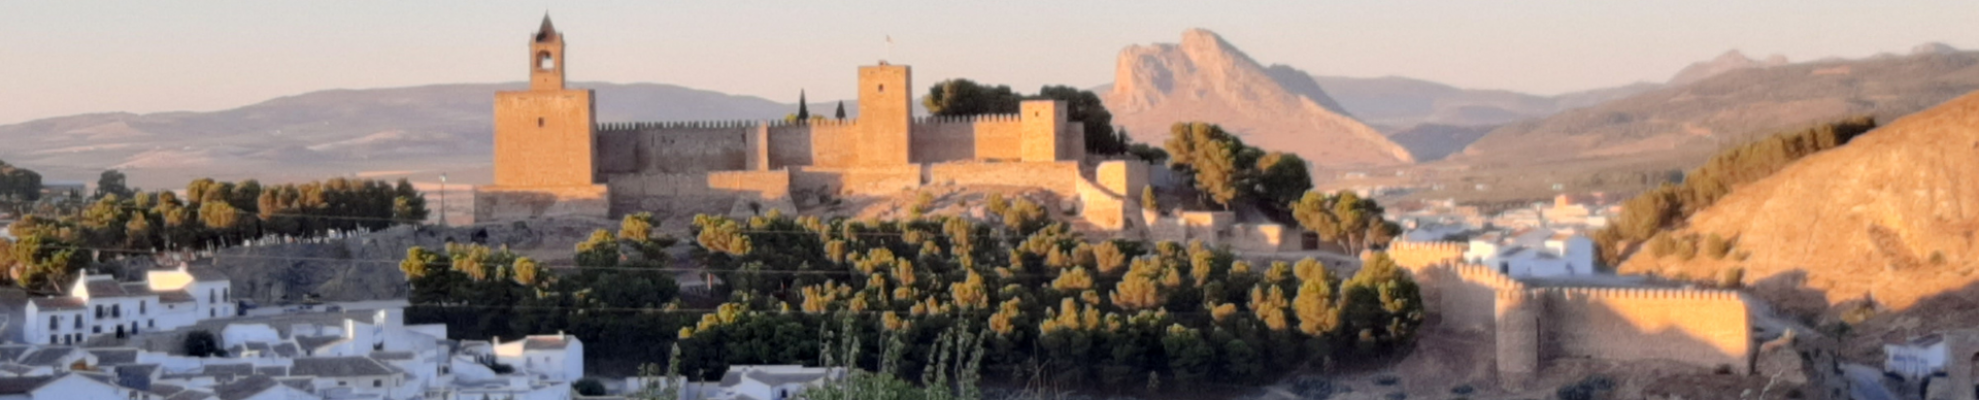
(1667, 206)
(49, 250)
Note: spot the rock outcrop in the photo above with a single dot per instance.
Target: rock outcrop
(1205, 79)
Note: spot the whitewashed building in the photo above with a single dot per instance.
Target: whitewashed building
(99, 305)
(557, 358)
(1534, 253)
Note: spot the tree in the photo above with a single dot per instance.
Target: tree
(527, 272)
(963, 97)
(600, 250)
(1318, 315)
(202, 343)
(111, 182)
(1148, 199)
(1282, 178)
(1382, 304)
(1346, 219)
(841, 113)
(804, 110)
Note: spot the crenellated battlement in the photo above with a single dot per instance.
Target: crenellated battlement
(718, 124)
(1421, 254)
(969, 119)
(1647, 293)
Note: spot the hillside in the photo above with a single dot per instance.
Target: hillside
(1890, 217)
(1393, 103)
(1431, 142)
(331, 132)
(1728, 62)
(1204, 78)
(1691, 121)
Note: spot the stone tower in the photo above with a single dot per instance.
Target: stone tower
(543, 136)
(886, 95)
(1042, 132)
(545, 144)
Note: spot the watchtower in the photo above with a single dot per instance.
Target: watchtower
(544, 135)
(546, 58)
(885, 111)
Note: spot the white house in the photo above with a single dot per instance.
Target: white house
(1534, 253)
(1917, 358)
(212, 293)
(771, 382)
(558, 358)
(261, 387)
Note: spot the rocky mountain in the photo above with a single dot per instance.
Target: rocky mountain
(1691, 121)
(1728, 62)
(1889, 217)
(331, 132)
(1204, 78)
(1394, 104)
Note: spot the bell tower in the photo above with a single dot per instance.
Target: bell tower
(546, 58)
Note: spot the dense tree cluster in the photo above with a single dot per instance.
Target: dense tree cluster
(1116, 314)
(963, 97)
(1647, 215)
(1352, 222)
(1226, 171)
(50, 250)
(18, 186)
(615, 305)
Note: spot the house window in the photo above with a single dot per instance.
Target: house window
(212, 313)
(51, 339)
(210, 296)
(224, 295)
(99, 311)
(151, 323)
(116, 311)
(96, 329)
(141, 307)
(377, 383)
(78, 322)
(54, 322)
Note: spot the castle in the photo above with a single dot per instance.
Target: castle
(1529, 325)
(553, 158)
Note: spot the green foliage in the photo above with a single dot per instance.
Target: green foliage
(1282, 178)
(804, 110)
(599, 250)
(202, 343)
(1346, 219)
(1383, 304)
(18, 186)
(963, 97)
(1669, 205)
(1148, 200)
(1150, 154)
(112, 183)
(841, 113)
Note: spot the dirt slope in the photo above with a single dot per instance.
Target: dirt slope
(1891, 216)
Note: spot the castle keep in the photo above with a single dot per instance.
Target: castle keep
(552, 157)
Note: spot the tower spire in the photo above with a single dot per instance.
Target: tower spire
(546, 32)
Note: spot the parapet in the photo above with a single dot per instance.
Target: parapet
(968, 119)
(715, 124)
(1415, 255)
(1648, 293)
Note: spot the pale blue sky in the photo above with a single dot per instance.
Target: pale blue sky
(62, 58)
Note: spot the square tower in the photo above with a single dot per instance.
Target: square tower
(886, 93)
(1040, 138)
(544, 135)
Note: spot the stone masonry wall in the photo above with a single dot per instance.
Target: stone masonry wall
(1058, 177)
(695, 190)
(544, 138)
(496, 203)
(987, 137)
(1708, 328)
(667, 148)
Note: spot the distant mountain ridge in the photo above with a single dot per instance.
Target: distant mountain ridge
(1730, 61)
(1691, 121)
(332, 132)
(1394, 103)
(1204, 78)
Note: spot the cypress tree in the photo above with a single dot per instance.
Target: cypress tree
(841, 114)
(804, 112)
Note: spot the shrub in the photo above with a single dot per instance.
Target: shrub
(1938, 258)
(1662, 245)
(1716, 247)
(589, 387)
(1687, 248)
(1387, 380)
(1732, 278)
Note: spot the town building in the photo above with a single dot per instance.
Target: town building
(100, 305)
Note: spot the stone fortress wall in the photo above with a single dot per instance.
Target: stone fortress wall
(1530, 325)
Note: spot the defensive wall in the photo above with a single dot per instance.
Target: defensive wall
(1532, 325)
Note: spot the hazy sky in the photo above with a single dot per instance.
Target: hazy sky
(61, 58)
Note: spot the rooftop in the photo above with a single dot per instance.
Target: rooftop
(338, 367)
